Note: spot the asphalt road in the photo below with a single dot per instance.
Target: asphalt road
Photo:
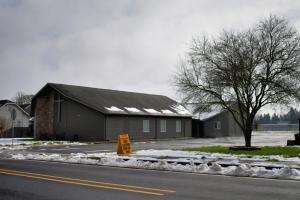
(42, 180)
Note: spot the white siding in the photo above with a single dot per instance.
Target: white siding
(22, 119)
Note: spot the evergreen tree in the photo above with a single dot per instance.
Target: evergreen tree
(275, 119)
(293, 116)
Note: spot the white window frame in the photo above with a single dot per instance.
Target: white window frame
(163, 126)
(178, 126)
(146, 126)
(217, 125)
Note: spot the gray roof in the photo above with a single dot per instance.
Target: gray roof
(116, 102)
(214, 111)
(2, 102)
(26, 107)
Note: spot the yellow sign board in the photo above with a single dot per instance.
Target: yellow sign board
(124, 147)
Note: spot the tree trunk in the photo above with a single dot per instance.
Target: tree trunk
(248, 140)
(248, 134)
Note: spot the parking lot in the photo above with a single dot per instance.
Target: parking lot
(259, 139)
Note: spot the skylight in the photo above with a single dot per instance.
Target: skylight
(132, 109)
(114, 109)
(150, 110)
(167, 112)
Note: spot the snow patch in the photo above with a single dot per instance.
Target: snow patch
(181, 110)
(167, 112)
(215, 110)
(207, 115)
(12, 148)
(111, 159)
(23, 143)
(16, 141)
(216, 167)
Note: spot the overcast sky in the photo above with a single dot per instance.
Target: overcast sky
(123, 45)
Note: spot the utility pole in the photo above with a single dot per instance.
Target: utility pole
(13, 117)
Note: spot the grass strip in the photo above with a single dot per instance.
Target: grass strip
(265, 150)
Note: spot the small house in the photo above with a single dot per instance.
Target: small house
(21, 121)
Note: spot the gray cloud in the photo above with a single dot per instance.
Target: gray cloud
(126, 45)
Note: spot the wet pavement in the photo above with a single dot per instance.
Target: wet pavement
(258, 139)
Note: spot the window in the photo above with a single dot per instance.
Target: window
(146, 126)
(178, 126)
(218, 125)
(163, 126)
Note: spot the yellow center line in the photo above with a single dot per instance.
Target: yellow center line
(82, 184)
(89, 181)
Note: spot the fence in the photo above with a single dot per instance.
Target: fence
(278, 127)
(18, 132)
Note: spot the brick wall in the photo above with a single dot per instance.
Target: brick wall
(44, 114)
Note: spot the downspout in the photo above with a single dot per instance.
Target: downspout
(183, 126)
(34, 125)
(155, 121)
(105, 128)
(299, 125)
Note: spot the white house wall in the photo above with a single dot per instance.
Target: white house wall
(22, 119)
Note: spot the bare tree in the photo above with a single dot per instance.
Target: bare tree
(244, 71)
(22, 98)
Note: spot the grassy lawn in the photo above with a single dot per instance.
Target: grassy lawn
(266, 150)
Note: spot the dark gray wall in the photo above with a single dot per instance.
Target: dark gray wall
(187, 127)
(234, 129)
(171, 128)
(79, 120)
(228, 126)
(133, 125)
(209, 126)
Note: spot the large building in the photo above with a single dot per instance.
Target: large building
(74, 112)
